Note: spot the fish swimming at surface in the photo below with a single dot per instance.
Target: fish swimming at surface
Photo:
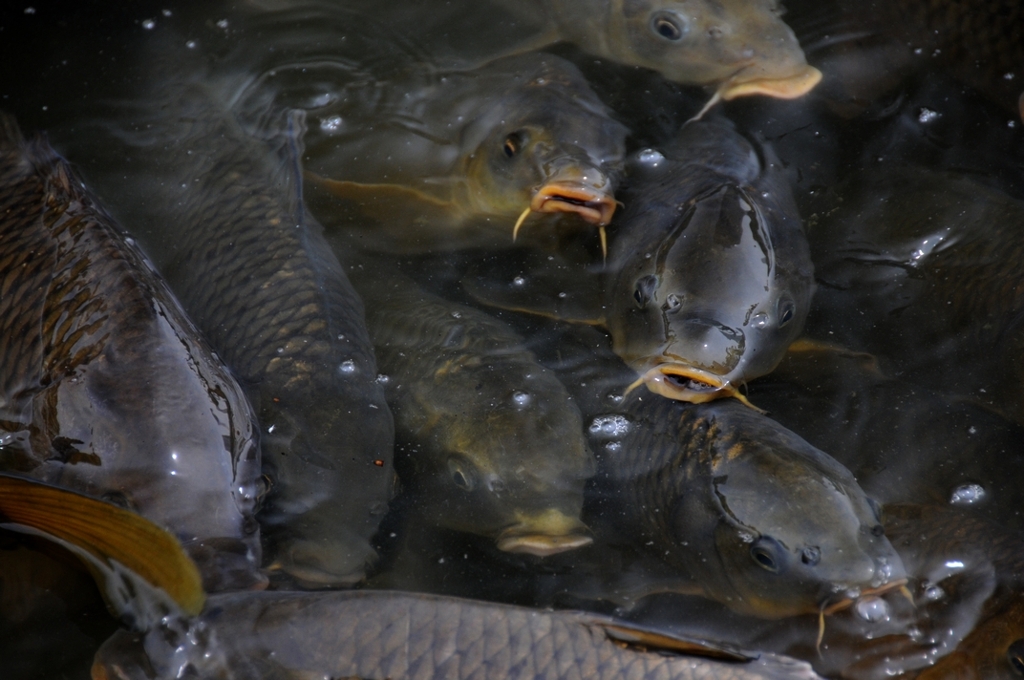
(106, 387)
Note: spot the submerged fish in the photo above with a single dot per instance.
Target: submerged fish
(381, 634)
(760, 519)
(905, 443)
(490, 442)
(739, 47)
(106, 387)
(454, 157)
(935, 272)
(222, 205)
(980, 44)
(709, 275)
(743, 510)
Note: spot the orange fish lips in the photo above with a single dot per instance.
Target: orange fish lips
(790, 86)
(592, 205)
(688, 383)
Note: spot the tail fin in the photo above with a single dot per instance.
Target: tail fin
(141, 569)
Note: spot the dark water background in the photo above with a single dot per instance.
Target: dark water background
(60, 62)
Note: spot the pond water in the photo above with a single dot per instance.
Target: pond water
(533, 467)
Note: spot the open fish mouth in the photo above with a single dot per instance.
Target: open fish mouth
(596, 207)
(687, 383)
(549, 533)
(829, 608)
(787, 87)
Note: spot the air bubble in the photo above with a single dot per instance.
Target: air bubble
(925, 116)
(610, 427)
(348, 366)
(967, 494)
(331, 124)
(518, 281)
(521, 399)
(650, 157)
(191, 44)
(872, 609)
(933, 593)
(222, 24)
(148, 24)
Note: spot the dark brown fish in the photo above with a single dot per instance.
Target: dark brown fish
(747, 511)
(905, 443)
(492, 444)
(935, 273)
(708, 278)
(106, 387)
(381, 634)
(979, 43)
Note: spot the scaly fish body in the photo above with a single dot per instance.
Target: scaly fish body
(252, 268)
(493, 443)
(760, 519)
(107, 388)
(380, 634)
(464, 153)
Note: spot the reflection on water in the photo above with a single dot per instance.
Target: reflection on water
(555, 434)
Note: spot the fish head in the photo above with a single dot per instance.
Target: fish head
(788, 530)
(515, 461)
(710, 306)
(551, 146)
(741, 47)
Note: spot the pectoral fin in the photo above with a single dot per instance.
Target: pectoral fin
(539, 284)
(391, 203)
(650, 639)
(140, 568)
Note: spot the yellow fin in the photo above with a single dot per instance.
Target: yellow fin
(107, 538)
(667, 642)
(385, 202)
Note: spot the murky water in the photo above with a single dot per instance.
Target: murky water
(906, 166)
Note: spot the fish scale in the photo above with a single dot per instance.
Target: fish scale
(82, 318)
(381, 634)
(251, 266)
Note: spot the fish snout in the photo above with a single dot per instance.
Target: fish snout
(545, 533)
(585, 191)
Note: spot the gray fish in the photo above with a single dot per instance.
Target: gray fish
(742, 509)
(763, 521)
(492, 442)
(934, 271)
(222, 205)
(739, 47)
(379, 634)
(106, 387)
(905, 443)
(444, 158)
(709, 274)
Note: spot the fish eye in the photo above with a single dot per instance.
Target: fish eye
(462, 478)
(767, 552)
(810, 555)
(513, 144)
(669, 25)
(787, 309)
(645, 287)
(1015, 655)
